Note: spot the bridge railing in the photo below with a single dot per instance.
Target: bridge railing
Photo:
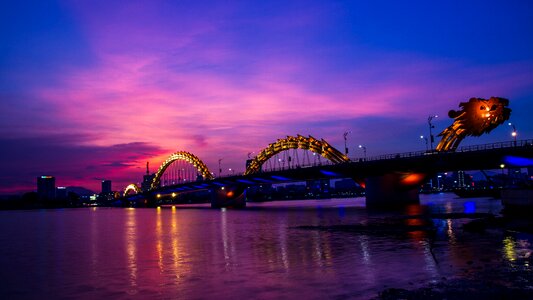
(490, 146)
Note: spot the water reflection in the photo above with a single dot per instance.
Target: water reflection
(159, 237)
(95, 234)
(253, 253)
(517, 249)
(227, 245)
(131, 249)
(179, 267)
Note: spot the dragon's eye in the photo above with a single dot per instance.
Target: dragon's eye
(482, 107)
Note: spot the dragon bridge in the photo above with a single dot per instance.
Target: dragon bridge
(320, 147)
(132, 188)
(183, 156)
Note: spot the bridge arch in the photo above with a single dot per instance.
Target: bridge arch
(320, 147)
(184, 156)
(132, 187)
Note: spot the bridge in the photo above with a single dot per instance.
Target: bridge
(389, 180)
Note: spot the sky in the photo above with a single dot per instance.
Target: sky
(92, 90)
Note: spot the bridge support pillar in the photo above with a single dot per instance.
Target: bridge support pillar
(228, 196)
(390, 191)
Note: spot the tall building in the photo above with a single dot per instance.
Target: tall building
(46, 187)
(106, 187)
(147, 179)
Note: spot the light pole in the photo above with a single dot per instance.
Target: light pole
(502, 166)
(219, 167)
(514, 133)
(431, 126)
(232, 171)
(345, 144)
(364, 149)
(426, 139)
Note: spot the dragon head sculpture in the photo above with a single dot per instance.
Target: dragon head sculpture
(476, 117)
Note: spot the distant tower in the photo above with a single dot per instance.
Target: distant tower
(46, 187)
(147, 179)
(106, 187)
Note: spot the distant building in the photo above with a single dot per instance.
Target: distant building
(147, 182)
(106, 187)
(318, 186)
(46, 187)
(147, 179)
(61, 192)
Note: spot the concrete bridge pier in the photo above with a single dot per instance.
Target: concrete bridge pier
(394, 190)
(231, 196)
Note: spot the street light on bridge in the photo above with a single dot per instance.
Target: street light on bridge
(431, 126)
(514, 133)
(426, 139)
(364, 149)
(345, 142)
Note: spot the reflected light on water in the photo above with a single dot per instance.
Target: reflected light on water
(282, 233)
(508, 249)
(176, 257)
(414, 211)
(515, 249)
(449, 231)
(131, 249)
(159, 237)
(225, 240)
(363, 242)
(95, 234)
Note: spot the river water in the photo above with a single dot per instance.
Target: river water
(271, 250)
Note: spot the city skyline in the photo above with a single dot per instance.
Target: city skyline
(94, 91)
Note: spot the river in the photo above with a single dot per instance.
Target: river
(270, 250)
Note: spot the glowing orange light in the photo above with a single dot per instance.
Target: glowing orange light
(412, 179)
(229, 194)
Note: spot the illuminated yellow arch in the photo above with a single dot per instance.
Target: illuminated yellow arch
(132, 187)
(181, 155)
(296, 142)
